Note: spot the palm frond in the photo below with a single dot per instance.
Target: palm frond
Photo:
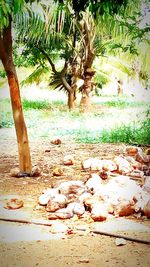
(36, 75)
(56, 82)
(41, 24)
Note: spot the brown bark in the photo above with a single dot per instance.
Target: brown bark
(71, 99)
(88, 31)
(85, 105)
(120, 88)
(20, 127)
(86, 90)
(73, 88)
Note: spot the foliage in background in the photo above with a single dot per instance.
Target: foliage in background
(114, 35)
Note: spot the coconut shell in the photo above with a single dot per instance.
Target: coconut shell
(125, 208)
(146, 209)
(131, 151)
(99, 212)
(14, 203)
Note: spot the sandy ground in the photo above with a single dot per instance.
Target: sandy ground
(24, 244)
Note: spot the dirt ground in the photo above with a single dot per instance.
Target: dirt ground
(24, 244)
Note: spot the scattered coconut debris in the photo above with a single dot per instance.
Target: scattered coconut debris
(116, 187)
(14, 203)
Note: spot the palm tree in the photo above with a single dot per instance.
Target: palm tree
(52, 27)
(77, 31)
(8, 10)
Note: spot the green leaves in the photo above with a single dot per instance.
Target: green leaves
(8, 8)
(36, 75)
(109, 7)
(17, 5)
(41, 25)
(5, 11)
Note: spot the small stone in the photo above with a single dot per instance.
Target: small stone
(56, 141)
(36, 172)
(57, 172)
(84, 261)
(58, 227)
(68, 160)
(47, 150)
(120, 241)
(14, 172)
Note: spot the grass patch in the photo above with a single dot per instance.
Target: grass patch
(45, 119)
(129, 134)
(28, 104)
(87, 137)
(119, 102)
(121, 134)
(6, 119)
(122, 103)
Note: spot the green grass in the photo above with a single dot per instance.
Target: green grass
(6, 119)
(117, 122)
(128, 134)
(121, 102)
(28, 104)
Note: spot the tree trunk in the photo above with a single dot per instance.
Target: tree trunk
(86, 90)
(85, 105)
(71, 99)
(120, 88)
(20, 127)
(88, 31)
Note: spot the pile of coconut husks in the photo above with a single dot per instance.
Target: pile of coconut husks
(116, 187)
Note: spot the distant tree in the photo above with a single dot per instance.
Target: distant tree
(78, 31)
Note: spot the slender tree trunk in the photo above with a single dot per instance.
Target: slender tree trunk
(73, 87)
(120, 88)
(21, 131)
(86, 91)
(88, 31)
(71, 99)
(85, 104)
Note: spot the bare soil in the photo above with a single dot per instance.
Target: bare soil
(24, 245)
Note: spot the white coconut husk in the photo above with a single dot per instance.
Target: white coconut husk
(99, 212)
(72, 187)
